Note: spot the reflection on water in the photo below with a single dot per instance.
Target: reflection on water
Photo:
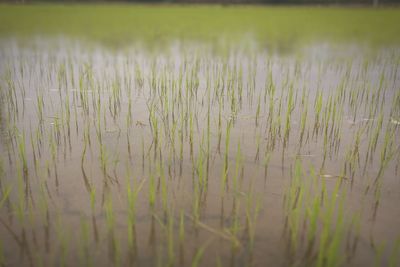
(190, 157)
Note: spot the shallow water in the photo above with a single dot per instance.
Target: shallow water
(232, 147)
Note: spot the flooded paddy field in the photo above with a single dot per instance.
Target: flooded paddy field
(190, 157)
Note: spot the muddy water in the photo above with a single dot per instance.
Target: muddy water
(225, 155)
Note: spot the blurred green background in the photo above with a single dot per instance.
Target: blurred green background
(119, 24)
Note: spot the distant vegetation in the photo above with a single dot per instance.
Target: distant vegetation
(323, 2)
(120, 24)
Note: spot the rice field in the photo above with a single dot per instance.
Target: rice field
(198, 154)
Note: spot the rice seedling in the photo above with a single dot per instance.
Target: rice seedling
(224, 180)
(84, 250)
(5, 195)
(152, 190)
(2, 259)
(199, 254)
(22, 152)
(63, 239)
(132, 195)
(113, 245)
(395, 252)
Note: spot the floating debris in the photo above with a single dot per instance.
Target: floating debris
(333, 176)
(395, 122)
(140, 124)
